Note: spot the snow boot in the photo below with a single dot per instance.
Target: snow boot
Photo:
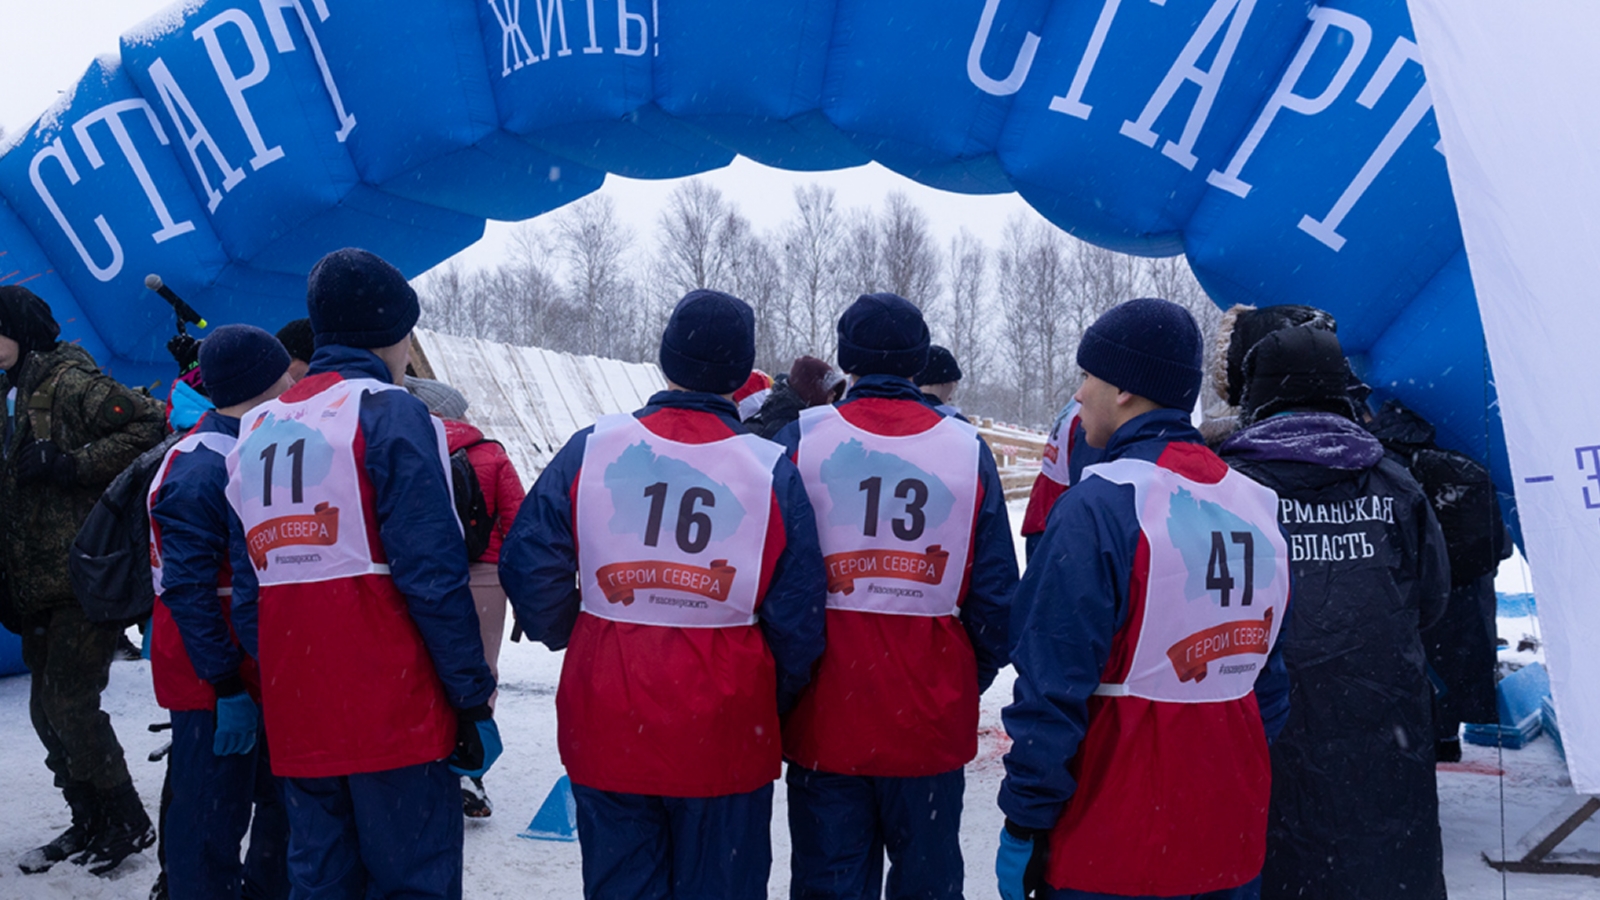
(474, 799)
(125, 829)
(126, 650)
(85, 819)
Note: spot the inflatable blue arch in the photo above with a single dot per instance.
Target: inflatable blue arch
(1289, 148)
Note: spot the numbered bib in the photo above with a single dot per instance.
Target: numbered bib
(894, 514)
(1058, 448)
(294, 480)
(671, 533)
(217, 443)
(1217, 587)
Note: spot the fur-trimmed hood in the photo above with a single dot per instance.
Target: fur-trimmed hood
(1242, 327)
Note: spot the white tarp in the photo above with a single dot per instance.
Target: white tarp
(532, 400)
(1512, 85)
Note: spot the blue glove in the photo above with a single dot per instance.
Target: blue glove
(237, 720)
(1016, 868)
(477, 742)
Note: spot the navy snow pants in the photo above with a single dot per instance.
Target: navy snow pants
(641, 847)
(210, 811)
(376, 835)
(841, 826)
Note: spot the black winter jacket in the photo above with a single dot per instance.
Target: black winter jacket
(1355, 808)
(781, 407)
(1461, 645)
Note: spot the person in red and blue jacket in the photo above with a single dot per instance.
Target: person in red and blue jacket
(1149, 676)
(1066, 454)
(921, 566)
(350, 588)
(674, 556)
(218, 769)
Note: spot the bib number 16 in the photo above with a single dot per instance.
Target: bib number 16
(693, 531)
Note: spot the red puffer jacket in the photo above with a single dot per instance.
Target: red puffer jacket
(502, 488)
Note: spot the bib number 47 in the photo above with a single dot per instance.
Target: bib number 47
(1218, 577)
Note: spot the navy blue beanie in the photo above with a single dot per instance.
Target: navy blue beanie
(1147, 347)
(883, 334)
(710, 342)
(942, 368)
(239, 363)
(356, 299)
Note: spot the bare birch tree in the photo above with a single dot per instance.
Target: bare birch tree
(907, 261)
(1034, 280)
(814, 245)
(690, 242)
(594, 248)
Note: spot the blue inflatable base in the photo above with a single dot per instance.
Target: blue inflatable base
(557, 818)
(1521, 697)
(1547, 720)
(1515, 606)
(10, 654)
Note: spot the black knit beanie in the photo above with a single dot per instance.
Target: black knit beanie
(883, 334)
(1147, 347)
(240, 362)
(356, 299)
(298, 338)
(710, 342)
(942, 368)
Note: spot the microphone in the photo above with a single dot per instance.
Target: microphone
(185, 312)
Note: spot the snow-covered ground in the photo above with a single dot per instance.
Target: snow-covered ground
(501, 865)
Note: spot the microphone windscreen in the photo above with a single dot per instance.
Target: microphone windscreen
(153, 281)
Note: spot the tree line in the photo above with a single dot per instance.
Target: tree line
(581, 281)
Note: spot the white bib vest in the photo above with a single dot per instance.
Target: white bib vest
(1217, 588)
(894, 514)
(670, 533)
(295, 483)
(219, 444)
(1054, 462)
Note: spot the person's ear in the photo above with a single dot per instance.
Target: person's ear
(1124, 398)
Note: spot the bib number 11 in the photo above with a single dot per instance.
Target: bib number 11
(297, 456)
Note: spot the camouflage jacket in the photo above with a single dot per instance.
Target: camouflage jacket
(104, 425)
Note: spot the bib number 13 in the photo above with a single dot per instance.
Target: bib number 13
(915, 494)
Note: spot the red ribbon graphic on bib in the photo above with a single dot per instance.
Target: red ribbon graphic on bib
(619, 580)
(845, 568)
(1190, 655)
(320, 528)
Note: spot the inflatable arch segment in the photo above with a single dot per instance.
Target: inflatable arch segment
(1288, 147)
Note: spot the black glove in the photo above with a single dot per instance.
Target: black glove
(40, 460)
(477, 741)
(186, 350)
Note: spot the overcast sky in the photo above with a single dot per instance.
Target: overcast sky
(45, 47)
